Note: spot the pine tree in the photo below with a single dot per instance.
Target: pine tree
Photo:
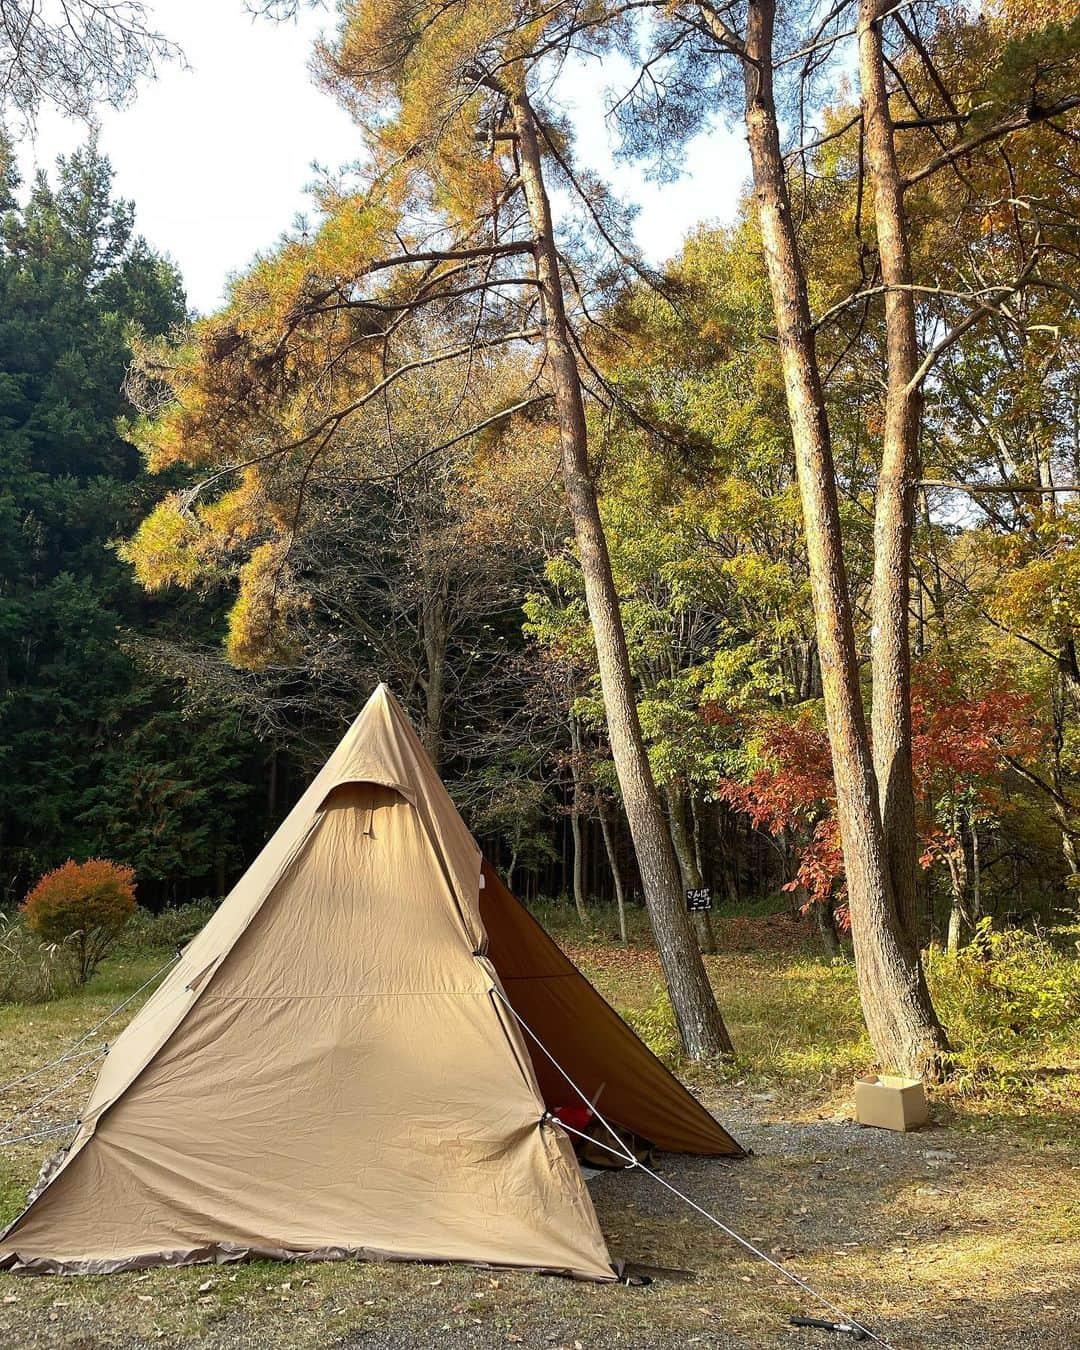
(78, 745)
(447, 253)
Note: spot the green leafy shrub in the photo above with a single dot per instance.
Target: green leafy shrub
(31, 971)
(1007, 995)
(82, 907)
(171, 929)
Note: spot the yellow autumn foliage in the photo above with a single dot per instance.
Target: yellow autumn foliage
(317, 350)
(259, 622)
(165, 549)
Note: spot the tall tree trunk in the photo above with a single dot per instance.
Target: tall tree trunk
(562, 862)
(578, 866)
(807, 669)
(700, 1025)
(576, 822)
(937, 583)
(616, 873)
(900, 1018)
(683, 842)
(897, 485)
(695, 834)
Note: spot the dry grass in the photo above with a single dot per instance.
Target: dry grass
(966, 1234)
(796, 1024)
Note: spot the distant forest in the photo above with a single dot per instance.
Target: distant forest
(100, 752)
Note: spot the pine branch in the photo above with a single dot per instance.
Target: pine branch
(1029, 116)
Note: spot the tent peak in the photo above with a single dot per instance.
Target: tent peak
(382, 696)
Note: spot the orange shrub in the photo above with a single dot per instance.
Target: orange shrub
(82, 907)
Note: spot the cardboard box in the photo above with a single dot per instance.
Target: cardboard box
(890, 1102)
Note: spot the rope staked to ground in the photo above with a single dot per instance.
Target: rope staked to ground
(91, 1057)
(68, 1126)
(26, 1110)
(621, 1151)
(73, 1052)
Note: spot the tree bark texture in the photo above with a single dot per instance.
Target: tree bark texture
(700, 1025)
(894, 508)
(900, 1018)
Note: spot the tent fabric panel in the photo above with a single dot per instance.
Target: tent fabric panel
(379, 747)
(588, 1038)
(227, 1253)
(166, 1009)
(471, 1177)
(382, 747)
(348, 1051)
(371, 885)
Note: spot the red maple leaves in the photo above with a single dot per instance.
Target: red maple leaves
(961, 744)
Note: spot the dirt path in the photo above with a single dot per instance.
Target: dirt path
(944, 1238)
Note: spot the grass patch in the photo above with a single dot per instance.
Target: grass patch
(794, 1018)
(1011, 1002)
(927, 1249)
(33, 1035)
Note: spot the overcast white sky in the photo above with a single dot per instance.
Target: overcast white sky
(217, 156)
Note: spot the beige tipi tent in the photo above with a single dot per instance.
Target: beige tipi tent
(330, 1071)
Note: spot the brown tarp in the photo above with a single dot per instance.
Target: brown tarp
(599, 1052)
(328, 1071)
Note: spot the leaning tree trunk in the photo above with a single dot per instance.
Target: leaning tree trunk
(900, 1017)
(700, 1025)
(688, 866)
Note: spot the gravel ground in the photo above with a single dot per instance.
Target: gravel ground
(942, 1238)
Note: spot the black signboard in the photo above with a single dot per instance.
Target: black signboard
(698, 902)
